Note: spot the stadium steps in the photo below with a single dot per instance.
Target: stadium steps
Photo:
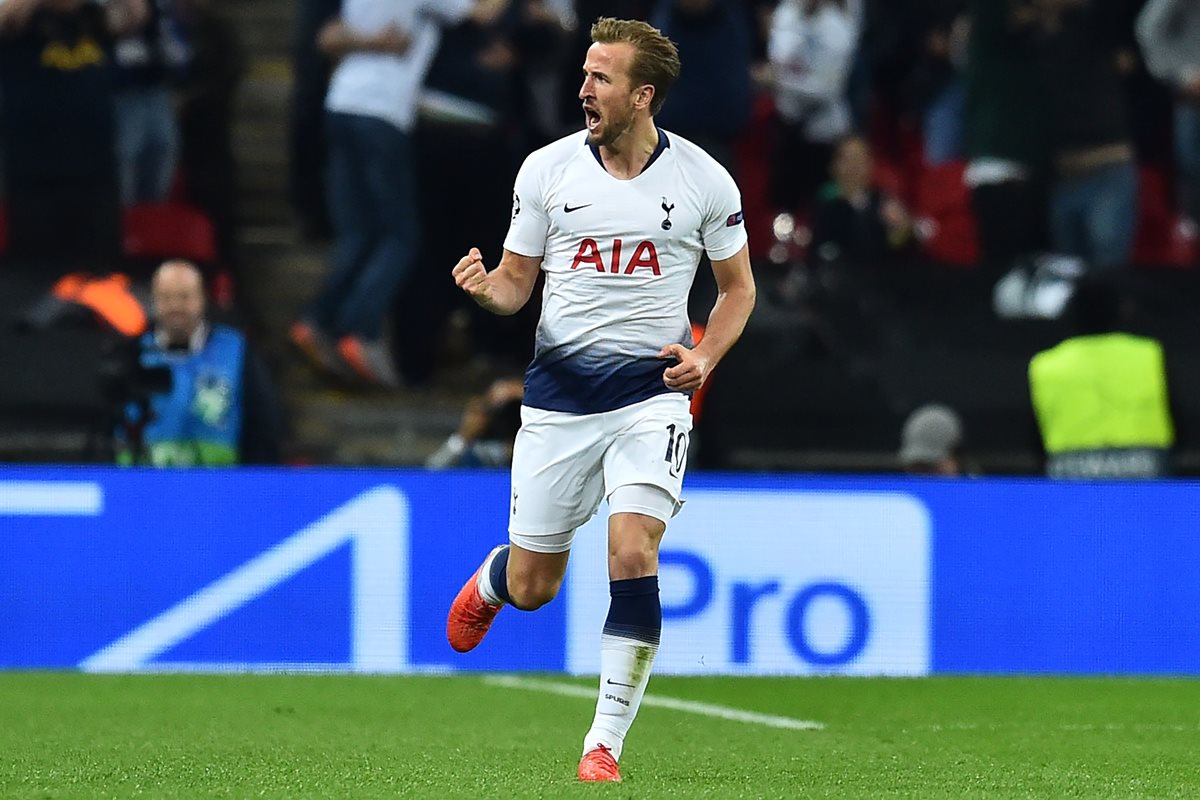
(329, 423)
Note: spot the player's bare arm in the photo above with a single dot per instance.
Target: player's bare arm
(735, 300)
(504, 290)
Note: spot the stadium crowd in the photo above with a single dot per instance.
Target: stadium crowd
(870, 139)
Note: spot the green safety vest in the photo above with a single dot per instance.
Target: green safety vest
(1101, 391)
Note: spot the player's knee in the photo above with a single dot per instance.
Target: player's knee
(531, 591)
(633, 560)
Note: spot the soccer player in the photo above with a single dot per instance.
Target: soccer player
(617, 220)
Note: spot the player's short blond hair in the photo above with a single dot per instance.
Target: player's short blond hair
(655, 57)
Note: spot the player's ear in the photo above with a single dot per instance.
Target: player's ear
(644, 96)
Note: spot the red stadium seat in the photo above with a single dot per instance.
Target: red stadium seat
(170, 230)
(945, 219)
(753, 153)
(1164, 238)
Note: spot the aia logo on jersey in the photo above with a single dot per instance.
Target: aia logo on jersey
(645, 256)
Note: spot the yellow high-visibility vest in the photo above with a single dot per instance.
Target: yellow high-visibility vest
(1101, 391)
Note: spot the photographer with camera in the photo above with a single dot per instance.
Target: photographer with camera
(219, 407)
(487, 430)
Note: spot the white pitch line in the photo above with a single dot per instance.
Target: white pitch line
(673, 703)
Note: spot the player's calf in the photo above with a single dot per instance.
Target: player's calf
(530, 591)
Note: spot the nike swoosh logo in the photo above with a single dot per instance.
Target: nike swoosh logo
(567, 208)
(611, 682)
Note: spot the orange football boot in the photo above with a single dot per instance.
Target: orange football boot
(598, 765)
(470, 616)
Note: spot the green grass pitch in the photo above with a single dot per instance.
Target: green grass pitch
(67, 735)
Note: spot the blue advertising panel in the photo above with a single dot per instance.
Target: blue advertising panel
(121, 570)
(353, 570)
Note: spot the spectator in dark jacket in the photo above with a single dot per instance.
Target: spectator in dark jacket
(1093, 200)
(1006, 136)
(853, 221)
(206, 119)
(711, 102)
(59, 129)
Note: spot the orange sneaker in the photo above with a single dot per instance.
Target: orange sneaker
(317, 348)
(470, 616)
(598, 765)
(369, 360)
(305, 338)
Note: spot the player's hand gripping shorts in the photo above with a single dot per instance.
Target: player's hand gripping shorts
(565, 464)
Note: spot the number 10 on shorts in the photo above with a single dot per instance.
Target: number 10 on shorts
(677, 443)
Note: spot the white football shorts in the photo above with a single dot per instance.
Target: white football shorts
(564, 465)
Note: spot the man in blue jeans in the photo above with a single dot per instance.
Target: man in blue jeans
(383, 49)
(1093, 198)
(147, 62)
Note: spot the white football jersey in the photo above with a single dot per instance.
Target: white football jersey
(619, 258)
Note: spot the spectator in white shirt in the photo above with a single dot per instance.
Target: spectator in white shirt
(383, 49)
(811, 49)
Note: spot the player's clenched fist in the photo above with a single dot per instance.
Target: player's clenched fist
(688, 373)
(471, 276)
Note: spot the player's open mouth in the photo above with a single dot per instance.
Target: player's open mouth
(593, 118)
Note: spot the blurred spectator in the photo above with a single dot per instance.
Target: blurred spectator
(937, 81)
(853, 222)
(472, 103)
(540, 31)
(1093, 201)
(711, 102)
(1169, 33)
(1005, 133)
(306, 118)
(146, 61)
(917, 50)
(931, 442)
(889, 44)
(221, 408)
(58, 128)
(383, 49)
(207, 94)
(487, 431)
(811, 51)
(1101, 397)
